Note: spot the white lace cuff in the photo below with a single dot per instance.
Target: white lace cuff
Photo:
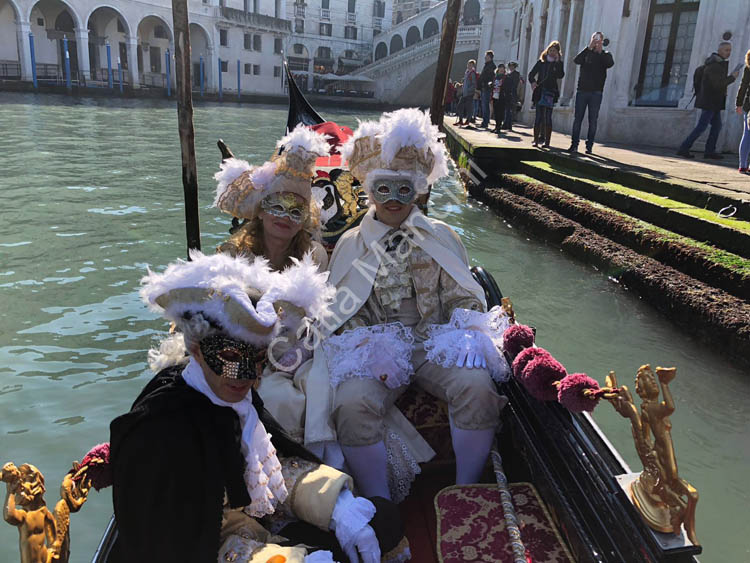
(470, 331)
(350, 515)
(359, 353)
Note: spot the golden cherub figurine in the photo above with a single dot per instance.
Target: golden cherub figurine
(664, 499)
(35, 523)
(43, 536)
(508, 309)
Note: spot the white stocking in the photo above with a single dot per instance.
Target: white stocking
(471, 448)
(369, 468)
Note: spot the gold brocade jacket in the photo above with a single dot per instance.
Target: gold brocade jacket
(437, 293)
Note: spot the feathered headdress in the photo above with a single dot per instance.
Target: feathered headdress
(403, 141)
(241, 186)
(242, 299)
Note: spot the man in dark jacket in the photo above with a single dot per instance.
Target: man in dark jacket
(510, 88)
(711, 98)
(594, 63)
(485, 81)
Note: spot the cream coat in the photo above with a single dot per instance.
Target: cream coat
(353, 266)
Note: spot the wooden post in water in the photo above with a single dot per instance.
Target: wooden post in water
(445, 60)
(185, 121)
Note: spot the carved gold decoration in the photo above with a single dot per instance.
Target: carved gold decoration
(665, 501)
(44, 536)
(508, 309)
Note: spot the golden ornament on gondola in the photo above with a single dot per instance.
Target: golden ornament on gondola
(665, 501)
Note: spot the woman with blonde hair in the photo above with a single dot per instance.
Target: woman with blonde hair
(543, 79)
(743, 108)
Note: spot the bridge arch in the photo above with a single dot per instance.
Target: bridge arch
(412, 36)
(431, 27)
(472, 13)
(396, 44)
(381, 51)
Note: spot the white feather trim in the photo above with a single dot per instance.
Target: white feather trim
(304, 286)
(262, 176)
(412, 127)
(231, 169)
(302, 137)
(171, 352)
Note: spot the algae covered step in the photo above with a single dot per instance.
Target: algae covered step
(700, 224)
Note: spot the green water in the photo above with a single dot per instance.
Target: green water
(91, 194)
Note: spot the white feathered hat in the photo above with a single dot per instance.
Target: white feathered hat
(244, 300)
(404, 142)
(242, 186)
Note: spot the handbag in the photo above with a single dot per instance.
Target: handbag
(546, 98)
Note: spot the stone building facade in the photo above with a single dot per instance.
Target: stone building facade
(656, 44)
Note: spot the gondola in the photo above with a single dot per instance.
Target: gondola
(563, 458)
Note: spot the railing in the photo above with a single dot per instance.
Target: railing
(351, 17)
(253, 19)
(467, 34)
(377, 23)
(325, 14)
(153, 80)
(10, 71)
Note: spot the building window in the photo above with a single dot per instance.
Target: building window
(224, 66)
(277, 45)
(325, 29)
(350, 32)
(123, 53)
(223, 39)
(248, 41)
(299, 26)
(298, 48)
(276, 71)
(257, 43)
(666, 53)
(248, 68)
(256, 70)
(352, 7)
(325, 4)
(40, 22)
(160, 32)
(378, 9)
(324, 52)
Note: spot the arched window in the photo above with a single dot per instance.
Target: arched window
(412, 36)
(472, 13)
(431, 28)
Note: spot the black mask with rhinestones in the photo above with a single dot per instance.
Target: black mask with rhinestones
(232, 358)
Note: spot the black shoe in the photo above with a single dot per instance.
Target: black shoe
(713, 156)
(589, 150)
(545, 146)
(685, 154)
(572, 149)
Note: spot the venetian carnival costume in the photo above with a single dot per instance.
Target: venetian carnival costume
(407, 310)
(244, 191)
(197, 478)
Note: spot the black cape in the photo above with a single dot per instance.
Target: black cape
(173, 456)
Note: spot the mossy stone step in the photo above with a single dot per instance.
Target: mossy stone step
(700, 224)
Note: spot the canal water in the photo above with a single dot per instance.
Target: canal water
(90, 194)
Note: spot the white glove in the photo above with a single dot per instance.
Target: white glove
(366, 543)
(470, 354)
(350, 520)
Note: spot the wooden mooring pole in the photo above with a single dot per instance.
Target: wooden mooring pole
(185, 121)
(445, 60)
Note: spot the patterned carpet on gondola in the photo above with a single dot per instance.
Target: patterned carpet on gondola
(471, 526)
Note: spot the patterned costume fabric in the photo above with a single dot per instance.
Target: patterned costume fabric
(471, 526)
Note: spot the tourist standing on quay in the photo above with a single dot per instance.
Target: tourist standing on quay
(543, 79)
(498, 96)
(743, 108)
(486, 81)
(711, 96)
(510, 86)
(465, 110)
(594, 63)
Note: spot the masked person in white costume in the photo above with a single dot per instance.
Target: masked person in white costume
(407, 310)
(283, 223)
(201, 471)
